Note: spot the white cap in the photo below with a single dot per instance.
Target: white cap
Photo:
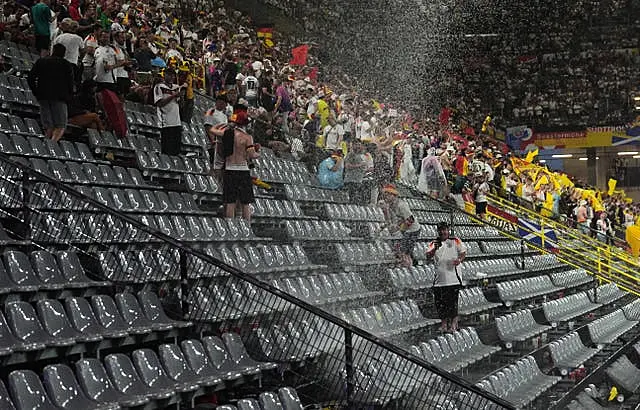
(257, 65)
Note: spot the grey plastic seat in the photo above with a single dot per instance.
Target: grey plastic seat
(6, 284)
(47, 269)
(84, 320)
(73, 272)
(132, 313)
(270, 401)
(199, 362)
(5, 400)
(227, 407)
(154, 375)
(289, 399)
(239, 355)
(152, 309)
(55, 322)
(21, 272)
(247, 404)
(8, 342)
(220, 358)
(109, 316)
(96, 384)
(27, 391)
(127, 381)
(178, 369)
(65, 392)
(25, 325)
(123, 176)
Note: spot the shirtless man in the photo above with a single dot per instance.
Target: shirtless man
(236, 178)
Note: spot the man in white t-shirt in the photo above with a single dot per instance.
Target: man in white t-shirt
(72, 42)
(105, 63)
(88, 60)
(333, 134)
(165, 97)
(250, 86)
(447, 253)
(172, 50)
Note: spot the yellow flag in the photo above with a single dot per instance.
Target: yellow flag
(376, 105)
(542, 181)
(612, 186)
(531, 155)
(565, 181)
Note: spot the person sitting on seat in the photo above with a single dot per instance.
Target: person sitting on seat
(330, 171)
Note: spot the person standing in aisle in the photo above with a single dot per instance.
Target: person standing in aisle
(165, 97)
(447, 253)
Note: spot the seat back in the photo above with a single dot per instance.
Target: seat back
(28, 392)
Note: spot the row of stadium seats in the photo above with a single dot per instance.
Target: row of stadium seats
(50, 324)
(454, 351)
(194, 366)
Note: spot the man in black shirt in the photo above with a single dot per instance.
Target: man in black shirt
(51, 80)
(144, 55)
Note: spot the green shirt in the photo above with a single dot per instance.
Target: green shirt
(41, 19)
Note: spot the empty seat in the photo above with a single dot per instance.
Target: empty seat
(5, 401)
(27, 391)
(21, 272)
(133, 316)
(26, 326)
(126, 379)
(47, 269)
(83, 319)
(569, 352)
(239, 355)
(65, 391)
(152, 308)
(289, 399)
(154, 375)
(98, 387)
(178, 369)
(55, 322)
(109, 316)
(624, 374)
(220, 358)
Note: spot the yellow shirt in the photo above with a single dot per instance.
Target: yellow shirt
(189, 82)
(323, 112)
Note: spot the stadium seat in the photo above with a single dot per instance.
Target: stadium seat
(178, 369)
(98, 387)
(26, 326)
(518, 326)
(65, 391)
(154, 375)
(569, 352)
(133, 315)
(126, 380)
(568, 307)
(521, 289)
(472, 300)
(27, 391)
(608, 328)
(624, 374)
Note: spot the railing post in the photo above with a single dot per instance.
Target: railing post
(348, 361)
(26, 211)
(184, 283)
(542, 233)
(522, 253)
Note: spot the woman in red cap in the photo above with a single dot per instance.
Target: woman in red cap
(400, 218)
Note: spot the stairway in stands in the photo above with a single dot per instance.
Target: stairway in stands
(307, 295)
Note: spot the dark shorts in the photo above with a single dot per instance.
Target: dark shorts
(124, 85)
(171, 140)
(481, 208)
(43, 42)
(446, 298)
(53, 114)
(408, 242)
(237, 186)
